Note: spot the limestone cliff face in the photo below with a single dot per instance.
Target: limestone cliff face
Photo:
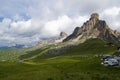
(94, 28)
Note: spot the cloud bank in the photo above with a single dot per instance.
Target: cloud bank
(29, 21)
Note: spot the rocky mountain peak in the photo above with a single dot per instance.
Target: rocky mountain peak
(95, 16)
(63, 34)
(94, 28)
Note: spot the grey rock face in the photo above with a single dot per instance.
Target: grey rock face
(94, 28)
(63, 35)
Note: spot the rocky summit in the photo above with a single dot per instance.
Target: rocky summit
(94, 28)
(63, 35)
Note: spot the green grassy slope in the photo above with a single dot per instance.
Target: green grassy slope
(61, 68)
(90, 47)
(11, 54)
(74, 63)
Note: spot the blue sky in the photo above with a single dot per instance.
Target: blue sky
(29, 21)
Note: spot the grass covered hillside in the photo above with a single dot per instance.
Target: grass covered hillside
(91, 47)
(11, 54)
(73, 63)
(60, 68)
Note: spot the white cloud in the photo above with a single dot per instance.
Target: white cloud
(4, 25)
(111, 15)
(114, 11)
(31, 30)
(21, 26)
(63, 23)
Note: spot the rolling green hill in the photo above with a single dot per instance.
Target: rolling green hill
(91, 47)
(10, 54)
(61, 68)
(80, 62)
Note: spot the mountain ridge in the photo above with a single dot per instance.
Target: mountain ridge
(61, 37)
(94, 28)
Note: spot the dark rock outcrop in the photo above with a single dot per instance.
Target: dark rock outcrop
(63, 35)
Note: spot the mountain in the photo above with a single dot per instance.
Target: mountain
(93, 32)
(63, 35)
(18, 46)
(13, 46)
(94, 28)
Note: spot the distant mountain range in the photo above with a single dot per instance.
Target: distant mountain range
(13, 46)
